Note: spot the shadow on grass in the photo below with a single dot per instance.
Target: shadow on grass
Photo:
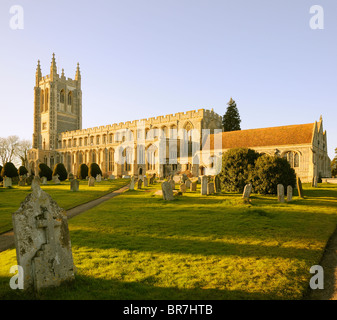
(90, 288)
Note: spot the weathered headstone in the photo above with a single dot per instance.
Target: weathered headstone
(132, 183)
(289, 193)
(188, 183)
(217, 184)
(44, 181)
(280, 193)
(29, 180)
(98, 178)
(140, 182)
(74, 185)
(210, 188)
(146, 182)
(204, 182)
(56, 179)
(112, 177)
(246, 192)
(7, 182)
(177, 179)
(194, 186)
(182, 188)
(314, 182)
(91, 182)
(299, 187)
(167, 191)
(22, 181)
(70, 176)
(42, 241)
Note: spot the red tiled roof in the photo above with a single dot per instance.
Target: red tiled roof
(274, 136)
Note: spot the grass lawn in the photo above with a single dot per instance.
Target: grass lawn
(10, 199)
(137, 246)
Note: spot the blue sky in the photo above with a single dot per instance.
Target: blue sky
(146, 58)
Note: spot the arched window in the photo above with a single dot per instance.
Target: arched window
(62, 96)
(293, 158)
(47, 100)
(70, 98)
(42, 100)
(111, 160)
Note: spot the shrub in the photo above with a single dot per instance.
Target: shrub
(83, 171)
(22, 171)
(94, 170)
(237, 168)
(45, 171)
(60, 170)
(1, 179)
(271, 171)
(9, 170)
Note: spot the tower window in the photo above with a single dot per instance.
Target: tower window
(70, 98)
(44, 126)
(62, 96)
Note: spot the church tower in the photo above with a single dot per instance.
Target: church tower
(57, 108)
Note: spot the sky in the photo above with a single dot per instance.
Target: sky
(144, 58)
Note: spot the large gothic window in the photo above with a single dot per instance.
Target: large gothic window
(293, 158)
(70, 98)
(42, 100)
(62, 96)
(47, 100)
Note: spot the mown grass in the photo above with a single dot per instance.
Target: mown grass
(137, 246)
(10, 199)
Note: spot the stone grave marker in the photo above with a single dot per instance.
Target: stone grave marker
(74, 185)
(204, 182)
(98, 178)
(112, 177)
(44, 181)
(194, 186)
(280, 193)
(56, 179)
(182, 188)
(146, 182)
(246, 192)
(42, 241)
(299, 187)
(217, 184)
(7, 182)
(167, 191)
(210, 188)
(289, 193)
(22, 181)
(140, 182)
(188, 183)
(132, 183)
(91, 182)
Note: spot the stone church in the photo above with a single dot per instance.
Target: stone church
(163, 145)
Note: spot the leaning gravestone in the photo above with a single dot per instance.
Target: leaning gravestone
(132, 183)
(289, 193)
(91, 182)
(204, 182)
(182, 188)
(210, 188)
(42, 241)
(280, 193)
(299, 187)
(167, 191)
(246, 192)
(7, 182)
(74, 185)
(314, 182)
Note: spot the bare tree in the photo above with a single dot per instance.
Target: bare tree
(22, 151)
(8, 147)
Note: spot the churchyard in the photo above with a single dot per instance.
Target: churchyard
(216, 246)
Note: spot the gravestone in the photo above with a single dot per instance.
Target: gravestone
(70, 176)
(98, 178)
(210, 188)
(167, 191)
(140, 182)
(217, 184)
(22, 181)
(194, 186)
(126, 177)
(146, 182)
(7, 182)
(91, 182)
(177, 179)
(29, 180)
(182, 188)
(280, 193)
(246, 192)
(112, 177)
(314, 182)
(204, 182)
(188, 183)
(42, 241)
(299, 187)
(56, 179)
(289, 193)
(132, 183)
(74, 185)
(44, 181)
(184, 178)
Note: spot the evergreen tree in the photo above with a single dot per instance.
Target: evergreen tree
(231, 120)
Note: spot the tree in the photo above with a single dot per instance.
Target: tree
(1, 179)
(9, 170)
(8, 148)
(45, 171)
(22, 151)
(83, 171)
(22, 171)
(94, 170)
(271, 171)
(334, 165)
(231, 120)
(237, 168)
(61, 171)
